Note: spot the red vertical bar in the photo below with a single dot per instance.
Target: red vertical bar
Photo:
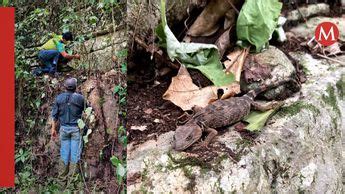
(7, 97)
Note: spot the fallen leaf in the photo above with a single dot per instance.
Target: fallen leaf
(148, 111)
(207, 22)
(230, 18)
(186, 95)
(140, 128)
(257, 119)
(223, 42)
(235, 62)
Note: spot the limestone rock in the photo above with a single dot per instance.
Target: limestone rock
(281, 68)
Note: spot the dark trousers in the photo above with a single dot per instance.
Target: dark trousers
(50, 60)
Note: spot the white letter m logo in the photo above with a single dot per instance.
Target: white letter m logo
(323, 33)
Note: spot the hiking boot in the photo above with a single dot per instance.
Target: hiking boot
(73, 172)
(63, 172)
(73, 169)
(63, 169)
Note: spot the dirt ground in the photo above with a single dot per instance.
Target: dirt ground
(146, 107)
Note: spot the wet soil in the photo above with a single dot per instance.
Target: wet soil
(146, 107)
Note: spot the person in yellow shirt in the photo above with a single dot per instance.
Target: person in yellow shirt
(54, 52)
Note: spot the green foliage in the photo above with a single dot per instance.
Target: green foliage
(122, 58)
(88, 117)
(203, 57)
(4, 3)
(121, 168)
(257, 21)
(68, 18)
(22, 156)
(93, 20)
(257, 119)
(24, 178)
(49, 17)
(124, 67)
(106, 5)
(122, 93)
(122, 137)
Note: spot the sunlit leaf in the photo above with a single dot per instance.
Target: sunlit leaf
(88, 111)
(257, 21)
(257, 119)
(81, 124)
(120, 170)
(86, 137)
(115, 161)
(93, 20)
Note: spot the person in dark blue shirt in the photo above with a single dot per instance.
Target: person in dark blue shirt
(67, 110)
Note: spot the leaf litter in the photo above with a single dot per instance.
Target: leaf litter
(186, 95)
(206, 57)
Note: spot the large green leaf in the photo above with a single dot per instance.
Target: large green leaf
(257, 21)
(204, 57)
(257, 119)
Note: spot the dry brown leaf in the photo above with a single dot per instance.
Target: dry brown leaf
(230, 18)
(186, 95)
(236, 61)
(223, 42)
(207, 22)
